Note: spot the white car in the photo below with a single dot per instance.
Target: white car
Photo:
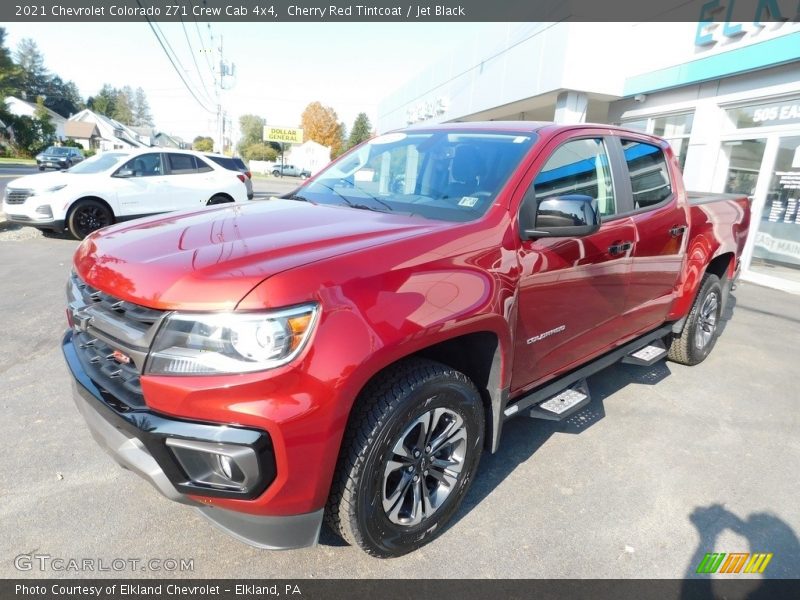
(118, 185)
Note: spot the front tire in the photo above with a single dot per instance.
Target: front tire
(409, 455)
(276, 173)
(88, 216)
(700, 332)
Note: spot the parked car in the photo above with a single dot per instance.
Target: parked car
(119, 185)
(348, 352)
(58, 157)
(291, 171)
(233, 163)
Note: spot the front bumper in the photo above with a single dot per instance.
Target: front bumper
(137, 441)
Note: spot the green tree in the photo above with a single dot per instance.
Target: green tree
(361, 131)
(10, 73)
(105, 101)
(45, 131)
(252, 130)
(124, 106)
(141, 108)
(260, 151)
(203, 143)
(63, 97)
(35, 79)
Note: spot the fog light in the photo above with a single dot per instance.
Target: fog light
(220, 466)
(44, 211)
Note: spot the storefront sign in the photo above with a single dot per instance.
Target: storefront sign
(287, 135)
(714, 22)
(762, 115)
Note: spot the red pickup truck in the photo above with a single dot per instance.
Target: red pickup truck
(346, 353)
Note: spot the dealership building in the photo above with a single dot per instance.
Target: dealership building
(725, 95)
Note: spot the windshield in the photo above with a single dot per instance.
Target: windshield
(55, 151)
(98, 163)
(444, 175)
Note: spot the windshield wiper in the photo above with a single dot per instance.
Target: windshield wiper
(295, 197)
(358, 205)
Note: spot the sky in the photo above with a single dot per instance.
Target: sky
(280, 67)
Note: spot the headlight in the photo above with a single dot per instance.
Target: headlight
(55, 188)
(218, 343)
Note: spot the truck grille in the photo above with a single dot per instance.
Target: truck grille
(17, 196)
(112, 338)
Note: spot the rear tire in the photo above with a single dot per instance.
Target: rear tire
(88, 216)
(701, 330)
(409, 454)
(218, 199)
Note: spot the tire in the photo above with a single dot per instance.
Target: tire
(701, 330)
(276, 173)
(372, 501)
(218, 199)
(41, 168)
(88, 216)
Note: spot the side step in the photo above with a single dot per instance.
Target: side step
(648, 355)
(563, 404)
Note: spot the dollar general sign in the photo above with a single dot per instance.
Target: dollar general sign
(287, 135)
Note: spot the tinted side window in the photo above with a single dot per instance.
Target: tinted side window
(181, 164)
(578, 167)
(202, 167)
(144, 165)
(649, 173)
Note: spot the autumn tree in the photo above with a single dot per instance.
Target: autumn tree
(203, 143)
(321, 124)
(361, 131)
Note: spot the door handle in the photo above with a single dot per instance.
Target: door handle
(619, 248)
(677, 231)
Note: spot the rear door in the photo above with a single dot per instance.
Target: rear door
(661, 232)
(190, 179)
(573, 290)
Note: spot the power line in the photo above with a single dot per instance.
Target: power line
(203, 45)
(194, 60)
(174, 66)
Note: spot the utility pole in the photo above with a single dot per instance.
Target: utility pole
(220, 114)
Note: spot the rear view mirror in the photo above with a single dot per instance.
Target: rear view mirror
(573, 215)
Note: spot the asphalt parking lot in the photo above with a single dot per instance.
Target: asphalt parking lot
(666, 464)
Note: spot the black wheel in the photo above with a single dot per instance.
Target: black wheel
(699, 333)
(88, 216)
(218, 199)
(276, 173)
(410, 452)
(41, 168)
(68, 164)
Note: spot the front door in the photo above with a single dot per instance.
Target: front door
(139, 186)
(572, 290)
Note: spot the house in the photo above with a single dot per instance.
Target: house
(98, 132)
(309, 155)
(23, 108)
(165, 140)
(147, 134)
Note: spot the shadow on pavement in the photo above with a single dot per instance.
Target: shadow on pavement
(764, 532)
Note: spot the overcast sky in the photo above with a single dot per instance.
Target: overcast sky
(280, 67)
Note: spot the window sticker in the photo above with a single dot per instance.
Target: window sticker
(468, 201)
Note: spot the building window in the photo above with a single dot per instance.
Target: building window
(675, 128)
(779, 112)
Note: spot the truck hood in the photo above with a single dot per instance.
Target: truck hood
(211, 258)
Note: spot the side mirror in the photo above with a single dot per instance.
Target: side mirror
(124, 173)
(573, 215)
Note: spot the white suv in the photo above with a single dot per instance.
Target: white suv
(119, 185)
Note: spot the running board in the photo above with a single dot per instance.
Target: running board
(550, 390)
(647, 356)
(563, 404)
